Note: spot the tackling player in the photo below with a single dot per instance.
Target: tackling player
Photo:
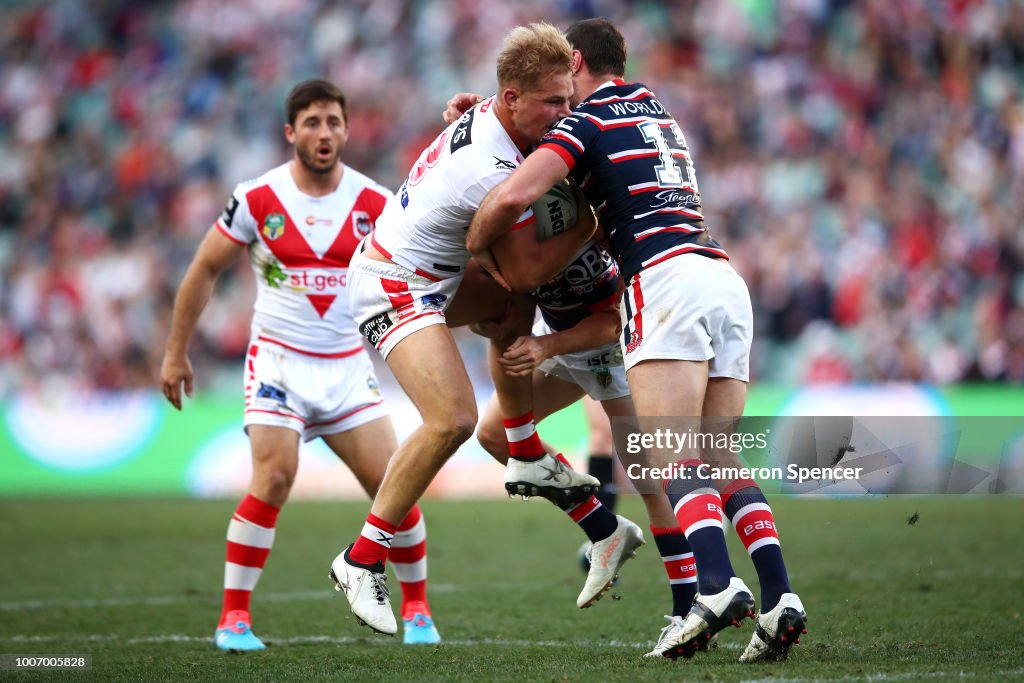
(406, 276)
(306, 372)
(687, 320)
(573, 353)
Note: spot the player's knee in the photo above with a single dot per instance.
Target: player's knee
(463, 423)
(275, 485)
(453, 428)
(492, 440)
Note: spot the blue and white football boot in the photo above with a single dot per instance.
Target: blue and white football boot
(418, 627)
(235, 633)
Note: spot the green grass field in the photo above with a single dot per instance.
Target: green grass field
(136, 585)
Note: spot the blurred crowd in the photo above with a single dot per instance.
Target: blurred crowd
(863, 163)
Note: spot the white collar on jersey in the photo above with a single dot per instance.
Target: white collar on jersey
(607, 84)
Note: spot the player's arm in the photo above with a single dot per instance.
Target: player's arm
(507, 201)
(524, 264)
(215, 253)
(599, 328)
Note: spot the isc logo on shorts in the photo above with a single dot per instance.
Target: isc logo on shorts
(374, 328)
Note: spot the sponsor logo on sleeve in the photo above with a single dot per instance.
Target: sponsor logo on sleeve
(462, 136)
(229, 212)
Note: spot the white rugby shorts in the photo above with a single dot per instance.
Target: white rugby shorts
(689, 307)
(311, 394)
(598, 372)
(389, 302)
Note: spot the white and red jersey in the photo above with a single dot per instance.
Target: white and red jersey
(423, 227)
(300, 247)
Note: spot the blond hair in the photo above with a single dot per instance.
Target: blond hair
(529, 53)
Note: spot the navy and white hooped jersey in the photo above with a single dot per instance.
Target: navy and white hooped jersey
(589, 283)
(631, 159)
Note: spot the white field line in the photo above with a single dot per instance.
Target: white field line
(156, 601)
(298, 640)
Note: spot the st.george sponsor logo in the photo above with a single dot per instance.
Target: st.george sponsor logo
(317, 282)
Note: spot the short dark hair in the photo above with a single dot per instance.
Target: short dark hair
(602, 46)
(314, 90)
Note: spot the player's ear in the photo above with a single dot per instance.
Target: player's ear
(510, 96)
(577, 61)
(289, 133)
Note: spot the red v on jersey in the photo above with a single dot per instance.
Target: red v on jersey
(321, 302)
(289, 246)
(293, 251)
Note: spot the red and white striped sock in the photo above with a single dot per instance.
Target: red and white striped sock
(250, 538)
(374, 541)
(409, 560)
(523, 441)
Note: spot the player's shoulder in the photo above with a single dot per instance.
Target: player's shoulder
(361, 182)
(493, 154)
(616, 91)
(478, 138)
(274, 176)
(616, 99)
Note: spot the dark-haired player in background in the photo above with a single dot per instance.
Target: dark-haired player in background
(306, 372)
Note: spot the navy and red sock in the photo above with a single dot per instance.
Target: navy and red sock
(751, 516)
(698, 509)
(680, 566)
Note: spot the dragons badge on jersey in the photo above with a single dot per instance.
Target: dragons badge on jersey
(361, 223)
(273, 226)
